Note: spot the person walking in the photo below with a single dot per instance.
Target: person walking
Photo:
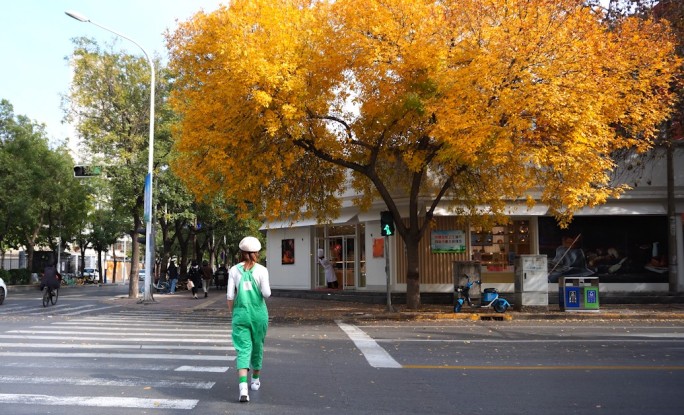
(207, 274)
(221, 276)
(195, 276)
(172, 272)
(248, 287)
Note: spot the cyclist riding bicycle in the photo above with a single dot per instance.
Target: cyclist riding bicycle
(51, 278)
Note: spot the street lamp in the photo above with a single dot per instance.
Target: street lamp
(149, 242)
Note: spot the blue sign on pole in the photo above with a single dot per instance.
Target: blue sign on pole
(148, 198)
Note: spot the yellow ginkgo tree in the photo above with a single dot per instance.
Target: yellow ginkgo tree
(288, 103)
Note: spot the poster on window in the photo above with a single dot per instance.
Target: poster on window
(288, 251)
(447, 242)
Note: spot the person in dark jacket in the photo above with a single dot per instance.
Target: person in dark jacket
(195, 275)
(172, 272)
(221, 276)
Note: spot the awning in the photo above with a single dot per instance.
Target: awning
(345, 218)
(633, 208)
(511, 209)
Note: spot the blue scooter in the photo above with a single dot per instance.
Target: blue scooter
(490, 297)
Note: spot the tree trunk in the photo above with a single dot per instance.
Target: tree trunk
(412, 273)
(29, 259)
(183, 247)
(135, 259)
(99, 266)
(114, 268)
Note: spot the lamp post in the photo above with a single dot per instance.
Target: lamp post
(149, 242)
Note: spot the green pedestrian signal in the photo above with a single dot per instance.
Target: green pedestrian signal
(386, 223)
(87, 171)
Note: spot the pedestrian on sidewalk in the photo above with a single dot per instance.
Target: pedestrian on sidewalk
(221, 276)
(172, 272)
(195, 277)
(207, 275)
(248, 287)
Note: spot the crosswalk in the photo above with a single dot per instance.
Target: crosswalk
(123, 359)
(62, 309)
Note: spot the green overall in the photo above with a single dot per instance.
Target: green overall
(250, 321)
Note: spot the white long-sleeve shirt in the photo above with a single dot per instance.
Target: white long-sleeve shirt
(260, 274)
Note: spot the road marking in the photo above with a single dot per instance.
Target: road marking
(149, 326)
(89, 364)
(374, 354)
(61, 309)
(117, 334)
(95, 381)
(90, 310)
(574, 368)
(111, 346)
(102, 401)
(212, 369)
(118, 356)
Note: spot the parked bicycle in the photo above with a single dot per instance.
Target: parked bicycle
(161, 287)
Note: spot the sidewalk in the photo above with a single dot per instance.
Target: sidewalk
(343, 307)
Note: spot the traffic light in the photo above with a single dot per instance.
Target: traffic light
(141, 239)
(87, 171)
(386, 223)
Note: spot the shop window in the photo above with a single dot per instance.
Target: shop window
(500, 244)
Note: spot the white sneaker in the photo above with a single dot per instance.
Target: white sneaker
(256, 384)
(244, 393)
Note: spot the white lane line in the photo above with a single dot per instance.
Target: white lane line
(212, 369)
(111, 367)
(61, 309)
(111, 346)
(146, 327)
(102, 401)
(118, 356)
(91, 310)
(106, 382)
(375, 355)
(107, 333)
(121, 339)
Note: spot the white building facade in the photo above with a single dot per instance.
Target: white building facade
(624, 243)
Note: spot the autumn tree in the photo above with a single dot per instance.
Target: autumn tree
(465, 103)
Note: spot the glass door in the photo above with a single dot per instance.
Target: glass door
(340, 250)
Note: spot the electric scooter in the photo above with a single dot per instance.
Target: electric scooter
(490, 297)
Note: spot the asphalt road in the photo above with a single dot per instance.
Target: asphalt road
(90, 355)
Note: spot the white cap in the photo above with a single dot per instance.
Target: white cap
(250, 244)
(320, 253)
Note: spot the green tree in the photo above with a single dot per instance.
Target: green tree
(41, 199)
(109, 104)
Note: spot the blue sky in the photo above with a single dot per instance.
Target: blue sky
(35, 37)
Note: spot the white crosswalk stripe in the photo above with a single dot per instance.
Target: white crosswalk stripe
(57, 309)
(94, 359)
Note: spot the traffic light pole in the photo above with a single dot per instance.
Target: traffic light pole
(387, 275)
(149, 248)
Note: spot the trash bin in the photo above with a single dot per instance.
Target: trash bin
(578, 293)
(463, 270)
